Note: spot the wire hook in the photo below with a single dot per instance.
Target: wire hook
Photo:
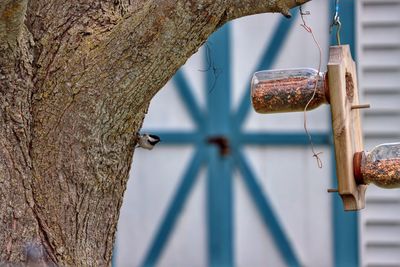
(336, 22)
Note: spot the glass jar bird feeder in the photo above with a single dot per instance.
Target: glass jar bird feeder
(380, 166)
(295, 89)
(276, 91)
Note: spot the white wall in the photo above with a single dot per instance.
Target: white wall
(378, 51)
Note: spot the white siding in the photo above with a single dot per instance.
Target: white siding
(378, 31)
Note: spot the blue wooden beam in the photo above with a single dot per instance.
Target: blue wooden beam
(345, 228)
(284, 139)
(218, 90)
(188, 98)
(267, 60)
(266, 211)
(175, 137)
(167, 224)
(220, 209)
(247, 138)
(219, 178)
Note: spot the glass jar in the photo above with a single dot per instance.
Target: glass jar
(287, 90)
(381, 166)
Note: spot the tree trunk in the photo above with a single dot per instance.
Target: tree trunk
(75, 82)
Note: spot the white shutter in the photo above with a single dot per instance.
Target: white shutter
(378, 29)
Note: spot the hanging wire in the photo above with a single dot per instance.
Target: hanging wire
(309, 30)
(211, 66)
(336, 22)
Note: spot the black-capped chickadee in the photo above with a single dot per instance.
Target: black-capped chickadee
(147, 141)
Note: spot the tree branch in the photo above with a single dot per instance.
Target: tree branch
(241, 8)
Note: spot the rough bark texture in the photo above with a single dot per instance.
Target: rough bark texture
(75, 80)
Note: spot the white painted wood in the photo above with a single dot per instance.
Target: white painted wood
(254, 243)
(297, 190)
(149, 190)
(171, 113)
(188, 242)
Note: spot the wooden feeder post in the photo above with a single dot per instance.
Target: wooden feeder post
(347, 132)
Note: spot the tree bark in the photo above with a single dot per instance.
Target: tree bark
(76, 78)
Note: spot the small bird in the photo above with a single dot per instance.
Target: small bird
(148, 141)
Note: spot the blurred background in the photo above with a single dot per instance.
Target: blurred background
(264, 201)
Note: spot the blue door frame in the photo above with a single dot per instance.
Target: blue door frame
(346, 241)
(218, 120)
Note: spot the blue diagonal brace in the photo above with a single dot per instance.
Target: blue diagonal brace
(174, 209)
(188, 98)
(266, 62)
(266, 211)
